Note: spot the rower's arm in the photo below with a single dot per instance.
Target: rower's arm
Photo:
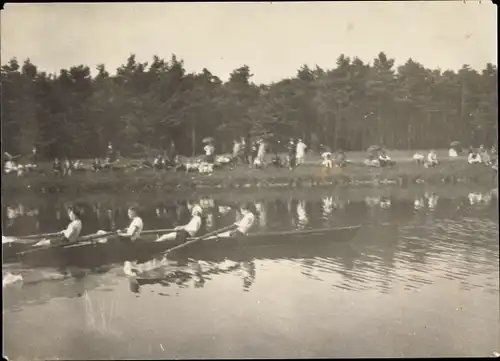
(68, 232)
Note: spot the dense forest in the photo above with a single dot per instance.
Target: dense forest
(145, 105)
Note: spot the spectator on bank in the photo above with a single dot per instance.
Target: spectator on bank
(473, 157)
(96, 165)
(485, 157)
(291, 154)
(67, 167)
(172, 152)
(419, 158)
(209, 153)
(261, 150)
(340, 159)
(452, 153)
(57, 168)
(300, 152)
(236, 149)
(384, 159)
(432, 160)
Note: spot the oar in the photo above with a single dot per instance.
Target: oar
(27, 241)
(87, 238)
(92, 237)
(36, 236)
(194, 240)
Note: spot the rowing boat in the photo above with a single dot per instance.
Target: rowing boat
(115, 250)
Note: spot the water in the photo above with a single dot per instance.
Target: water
(421, 278)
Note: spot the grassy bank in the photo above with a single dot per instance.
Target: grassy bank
(405, 172)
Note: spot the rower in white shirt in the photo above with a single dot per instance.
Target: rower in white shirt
(71, 233)
(244, 224)
(182, 233)
(135, 228)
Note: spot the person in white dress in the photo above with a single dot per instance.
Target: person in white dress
(71, 233)
(135, 228)
(209, 153)
(452, 153)
(261, 153)
(182, 233)
(418, 158)
(301, 151)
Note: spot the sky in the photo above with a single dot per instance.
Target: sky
(274, 39)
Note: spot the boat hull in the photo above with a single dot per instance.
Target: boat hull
(115, 250)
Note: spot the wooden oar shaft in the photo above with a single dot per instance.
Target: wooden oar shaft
(199, 239)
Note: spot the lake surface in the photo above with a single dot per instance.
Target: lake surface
(421, 278)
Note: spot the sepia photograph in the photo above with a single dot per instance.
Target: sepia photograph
(249, 180)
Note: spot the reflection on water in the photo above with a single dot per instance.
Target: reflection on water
(412, 246)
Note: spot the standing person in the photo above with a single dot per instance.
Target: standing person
(71, 233)
(301, 152)
(57, 167)
(110, 154)
(68, 166)
(182, 233)
(261, 152)
(135, 228)
(236, 149)
(33, 153)
(254, 152)
(172, 150)
(246, 149)
(291, 154)
(209, 152)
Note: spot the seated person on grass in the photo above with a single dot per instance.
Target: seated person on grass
(432, 160)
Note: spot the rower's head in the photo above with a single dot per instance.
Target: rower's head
(132, 212)
(196, 211)
(73, 213)
(247, 208)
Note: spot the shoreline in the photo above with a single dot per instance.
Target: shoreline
(311, 174)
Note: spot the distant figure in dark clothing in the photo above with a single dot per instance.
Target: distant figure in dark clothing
(110, 155)
(57, 167)
(254, 152)
(158, 163)
(291, 154)
(96, 165)
(172, 151)
(246, 147)
(33, 154)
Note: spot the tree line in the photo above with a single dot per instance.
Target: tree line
(144, 106)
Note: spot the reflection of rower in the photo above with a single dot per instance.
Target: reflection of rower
(244, 224)
(302, 218)
(182, 233)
